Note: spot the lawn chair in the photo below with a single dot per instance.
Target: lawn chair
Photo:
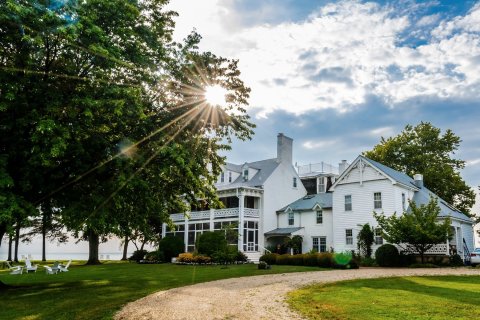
(64, 268)
(50, 270)
(30, 267)
(56, 266)
(15, 269)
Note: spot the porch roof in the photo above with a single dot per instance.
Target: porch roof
(282, 231)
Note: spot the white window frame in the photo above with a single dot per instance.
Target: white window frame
(319, 216)
(245, 174)
(319, 244)
(378, 236)
(349, 237)
(230, 176)
(377, 200)
(291, 218)
(321, 185)
(348, 205)
(404, 202)
(222, 177)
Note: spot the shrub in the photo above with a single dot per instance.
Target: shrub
(423, 265)
(263, 265)
(387, 256)
(210, 243)
(296, 260)
(325, 260)
(269, 258)
(241, 257)
(310, 259)
(138, 255)
(456, 261)
(406, 259)
(155, 256)
(186, 257)
(171, 247)
(224, 256)
(367, 262)
(201, 259)
(284, 259)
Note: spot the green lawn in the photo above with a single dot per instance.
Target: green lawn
(433, 298)
(96, 292)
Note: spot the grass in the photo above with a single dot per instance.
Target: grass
(97, 292)
(433, 298)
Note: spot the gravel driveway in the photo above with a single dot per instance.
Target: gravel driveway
(258, 297)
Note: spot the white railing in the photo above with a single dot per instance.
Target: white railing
(253, 213)
(177, 217)
(200, 215)
(321, 167)
(436, 249)
(226, 213)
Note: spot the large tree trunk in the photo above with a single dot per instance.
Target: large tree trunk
(10, 240)
(44, 236)
(17, 240)
(93, 244)
(3, 230)
(125, 248)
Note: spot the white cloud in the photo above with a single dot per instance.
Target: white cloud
(341, 54)
(382, 132)
(473, 162)
(318, 144)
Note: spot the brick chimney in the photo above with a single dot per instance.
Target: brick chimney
(284, 148)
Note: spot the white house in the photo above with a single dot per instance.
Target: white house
(367, 186)
(251, 193)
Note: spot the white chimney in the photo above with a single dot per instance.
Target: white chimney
(418, 180)
(284, 148)
(342, 166)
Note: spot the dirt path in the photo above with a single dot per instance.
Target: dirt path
(258, 297)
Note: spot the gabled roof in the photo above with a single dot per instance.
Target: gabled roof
(308, 202)
(421, 195)
(265, 169)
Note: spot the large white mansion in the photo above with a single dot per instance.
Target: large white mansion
(269, 201)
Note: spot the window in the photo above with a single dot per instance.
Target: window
(222, 177)
(348, 203)
(319, 216)
(245, 174)
(321, 185)
(229, 176)
(378, 236)
(349, 236)
(377, 200)
(319, 244)
(404, 202)
(294, 182)
(291, 218)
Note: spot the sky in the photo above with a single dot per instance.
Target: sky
(336, 76)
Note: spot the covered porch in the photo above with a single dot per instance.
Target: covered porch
(276, 239)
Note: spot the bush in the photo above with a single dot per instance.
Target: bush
(284, 259)
(387, 256)
(310, 259)
(155, 256)
(263, 265)
(138, 255)
(210, 243)
(325, 260)
(456, 261)
(423, 265)
(367, 262)
(241, 257)
(186, 257)
(201, 259)
(171, 247)
(269, 258)
(406, 259)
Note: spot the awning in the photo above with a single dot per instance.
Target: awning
(283, 232)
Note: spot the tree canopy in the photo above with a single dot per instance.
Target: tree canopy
(418, 229)
(424, 149)
(103, 115)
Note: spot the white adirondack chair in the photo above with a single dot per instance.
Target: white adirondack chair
(49, 270)
(30, 267)
(64, 268)
(15, 269)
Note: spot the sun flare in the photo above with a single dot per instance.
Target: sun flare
(215, 95)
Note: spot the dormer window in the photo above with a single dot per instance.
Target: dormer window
(245, 174)
(230, 176)
(294, 182)
(321, 185)
(222, 177)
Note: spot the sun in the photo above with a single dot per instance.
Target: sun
(215, 95)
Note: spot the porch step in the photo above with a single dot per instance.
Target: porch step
(253, 256)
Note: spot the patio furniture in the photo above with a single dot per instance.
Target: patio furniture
(30, 267)
(50, 270)
(14, 269)
(56, 267)
(64, 268)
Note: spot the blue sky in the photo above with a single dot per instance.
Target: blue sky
(336, 76)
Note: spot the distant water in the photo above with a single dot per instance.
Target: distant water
(68, 256)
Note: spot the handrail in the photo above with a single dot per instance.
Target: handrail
(264, 249)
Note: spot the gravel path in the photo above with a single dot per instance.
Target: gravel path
(258, 297)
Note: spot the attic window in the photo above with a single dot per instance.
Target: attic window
(245, 174)
(229, 176)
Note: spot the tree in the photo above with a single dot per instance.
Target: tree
(365, 240)
(295, 243)
(423, 149)
(417, 230)
(80, 79)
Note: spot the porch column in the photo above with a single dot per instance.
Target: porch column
(241, 218)
(212, 216)
(185, 235)
(164, 229)
(448, 247)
